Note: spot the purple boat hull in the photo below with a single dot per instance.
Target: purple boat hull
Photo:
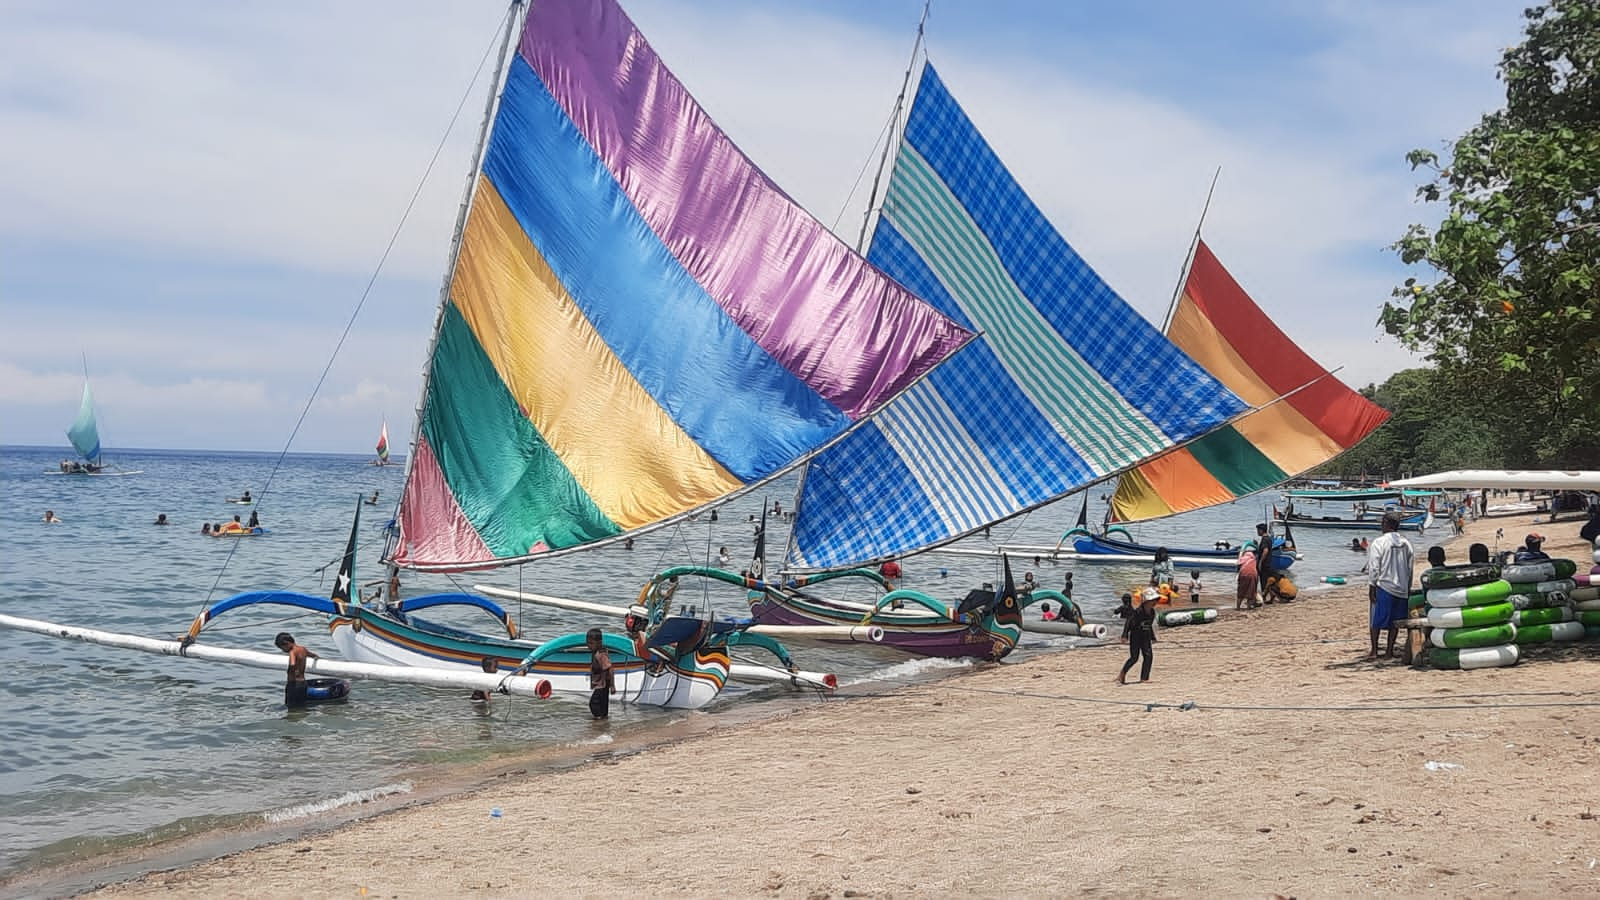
(921, 634)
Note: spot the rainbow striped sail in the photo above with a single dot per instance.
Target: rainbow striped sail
(639, 322)
(1217, 324)
(1069, 384)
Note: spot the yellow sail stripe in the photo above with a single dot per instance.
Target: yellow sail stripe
(1279, 431)
(1195, 335)
(622, 448)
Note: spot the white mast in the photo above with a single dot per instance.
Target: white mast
(514, 18)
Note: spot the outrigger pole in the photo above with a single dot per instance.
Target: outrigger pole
(520, 685)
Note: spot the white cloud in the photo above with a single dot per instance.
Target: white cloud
(290, 137)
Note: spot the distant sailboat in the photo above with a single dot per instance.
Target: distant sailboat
(383, 445)
(85, 437)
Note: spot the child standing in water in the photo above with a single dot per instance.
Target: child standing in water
(602, 680)
(490, 665)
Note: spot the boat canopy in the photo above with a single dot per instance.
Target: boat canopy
(1506, 480)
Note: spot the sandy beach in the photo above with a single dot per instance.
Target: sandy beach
(1266, 757)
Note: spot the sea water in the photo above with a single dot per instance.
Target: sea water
(105, 749)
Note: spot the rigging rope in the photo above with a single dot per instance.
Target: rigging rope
(365, 293)
(1186, 705)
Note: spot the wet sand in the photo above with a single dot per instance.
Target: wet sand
(1266, 757)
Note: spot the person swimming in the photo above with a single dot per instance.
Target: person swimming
(161, 519)
(50, 517)
(373, 500)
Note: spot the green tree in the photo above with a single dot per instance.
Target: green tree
(1513, 309)
(1430, 429)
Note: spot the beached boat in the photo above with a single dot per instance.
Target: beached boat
(681, 298)
(678, 661)
(1365, 520)
(85, 437)
(1344, 495)
(1116, 542)
(591, 270)
(1046, 404)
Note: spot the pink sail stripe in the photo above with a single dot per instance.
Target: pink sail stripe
(778, 272)
(430, 515)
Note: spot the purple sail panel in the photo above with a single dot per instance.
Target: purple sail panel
(850, 332)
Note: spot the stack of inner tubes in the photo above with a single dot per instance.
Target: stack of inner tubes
(1470, 614)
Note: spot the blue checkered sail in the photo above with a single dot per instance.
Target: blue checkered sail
(1068, 385)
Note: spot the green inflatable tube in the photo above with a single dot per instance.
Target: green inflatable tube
(1563, 585)
(1416, 601)
(1470, 616)
(1589, 616)
(1173, 617)
(1556, 631)
(1477, 658)
(1473, 595)
(1537, 601)
(1459, 576)
(1550, 615)
(1462, 638)
(1591, 631)
(1544, 570)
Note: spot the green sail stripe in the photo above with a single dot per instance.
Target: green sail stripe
(967, 259)
(923, 208)
(511, 485)
(1235, 463)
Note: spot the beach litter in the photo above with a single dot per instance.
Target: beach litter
(1433, 765)
(494, 813)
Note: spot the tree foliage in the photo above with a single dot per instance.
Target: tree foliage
(1442, 419)
(1513, 309)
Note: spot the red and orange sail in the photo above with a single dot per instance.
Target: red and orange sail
(1221, 328)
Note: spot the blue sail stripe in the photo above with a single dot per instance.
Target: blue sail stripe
(606, 257)
(889, 516)
(982, 394)
(1045, 266)
(1085, 409)
(1002, 310)
(956, 477)
(958, 231)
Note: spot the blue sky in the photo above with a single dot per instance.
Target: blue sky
(194, 195)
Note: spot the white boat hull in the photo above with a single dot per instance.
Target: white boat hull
(671, 687)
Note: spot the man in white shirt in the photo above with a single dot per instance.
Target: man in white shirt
(1389, 562)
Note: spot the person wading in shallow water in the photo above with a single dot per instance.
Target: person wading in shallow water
(602, 678)
(294, 689)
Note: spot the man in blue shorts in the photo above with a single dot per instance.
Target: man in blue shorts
(1389, 562)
